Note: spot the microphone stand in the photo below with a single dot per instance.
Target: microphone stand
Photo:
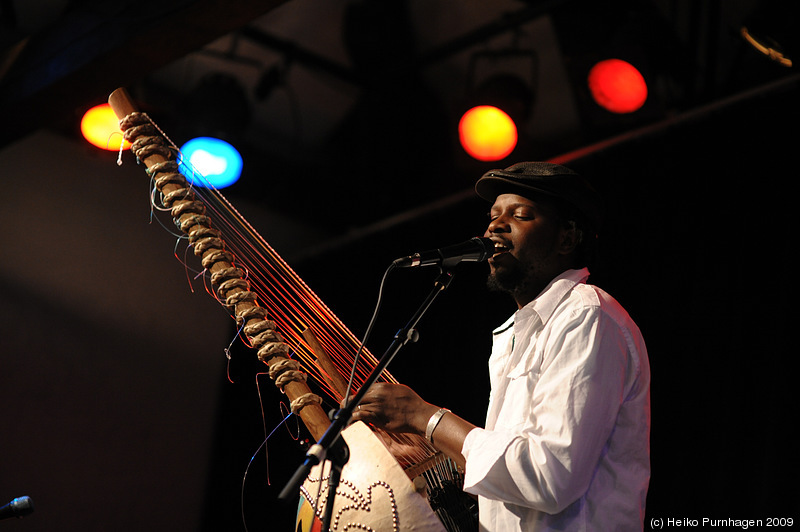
(331, 444)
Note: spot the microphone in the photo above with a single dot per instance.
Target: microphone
(19, 507)
(473, 250)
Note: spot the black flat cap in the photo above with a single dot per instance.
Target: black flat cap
(533, 178)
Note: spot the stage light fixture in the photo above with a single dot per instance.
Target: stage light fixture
(215, 115)
(617, 86)
(769, 48)
(499, 105)
(487, 133)
(100, 127)
(771, 29)
(217, 162)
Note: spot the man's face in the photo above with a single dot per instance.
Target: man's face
(528, 246)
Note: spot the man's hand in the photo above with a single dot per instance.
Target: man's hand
(395, 408)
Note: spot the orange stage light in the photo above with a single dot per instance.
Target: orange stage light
(487, 133)
(100, 127)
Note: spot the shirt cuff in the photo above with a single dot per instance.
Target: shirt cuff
(482, 449)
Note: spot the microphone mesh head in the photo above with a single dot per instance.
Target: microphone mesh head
(22, 506)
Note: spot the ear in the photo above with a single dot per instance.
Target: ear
(570, 238)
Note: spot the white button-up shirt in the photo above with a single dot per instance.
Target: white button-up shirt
(566, 443)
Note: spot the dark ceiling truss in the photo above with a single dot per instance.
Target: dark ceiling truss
(293, 53)
(98, 46)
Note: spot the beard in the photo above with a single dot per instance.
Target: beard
(505, 281)
(519, 280)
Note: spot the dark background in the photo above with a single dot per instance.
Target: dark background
(698, 248)
(119, 412)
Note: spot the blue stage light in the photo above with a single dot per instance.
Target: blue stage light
(218, 163)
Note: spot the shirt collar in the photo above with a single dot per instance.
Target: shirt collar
(546, 302)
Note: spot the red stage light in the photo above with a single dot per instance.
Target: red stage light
(617, 86)
(487, 133)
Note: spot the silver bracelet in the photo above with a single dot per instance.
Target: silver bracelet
(433, 422)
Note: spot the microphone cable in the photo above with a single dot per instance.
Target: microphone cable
(368, 332)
